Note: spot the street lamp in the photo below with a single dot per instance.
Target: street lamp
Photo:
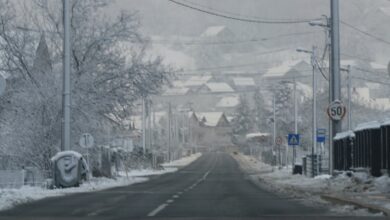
(313, 63)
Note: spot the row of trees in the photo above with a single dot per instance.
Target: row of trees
(110, 71)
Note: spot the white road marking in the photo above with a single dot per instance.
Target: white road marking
(157, 210)
(175, 196)
(170, 200)
(180, 193)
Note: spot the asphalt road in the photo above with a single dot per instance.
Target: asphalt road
(213, 187)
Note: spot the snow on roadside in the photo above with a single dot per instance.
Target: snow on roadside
(183, 161)
(299, 186)
(12, 197)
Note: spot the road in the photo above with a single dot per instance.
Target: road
(212, 187)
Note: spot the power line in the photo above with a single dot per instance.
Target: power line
(365, 33)
(371, 80)
(264, 39)
(237, 18)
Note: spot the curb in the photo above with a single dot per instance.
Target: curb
(350, 201)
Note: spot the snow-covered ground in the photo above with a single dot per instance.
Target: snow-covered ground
(183, 161)
(12, 197)
(360, 188)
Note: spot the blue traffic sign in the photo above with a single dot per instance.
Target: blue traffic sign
(293, 139)
(321, 133)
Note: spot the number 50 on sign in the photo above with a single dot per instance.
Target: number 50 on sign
(336, 110)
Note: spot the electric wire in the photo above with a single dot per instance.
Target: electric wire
(237, 18)
(365, 33)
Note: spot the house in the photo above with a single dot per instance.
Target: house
(289, 69)
(244, 83)
(229, 102)
(215, 88)
(195, 82)
(177, 91)
(213, 119)
(214, 130)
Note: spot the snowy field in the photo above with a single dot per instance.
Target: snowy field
(12, 197)
(361, 188)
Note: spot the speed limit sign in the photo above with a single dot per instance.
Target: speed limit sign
(336, 110)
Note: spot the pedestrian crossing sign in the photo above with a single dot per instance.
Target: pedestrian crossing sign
(293, 139)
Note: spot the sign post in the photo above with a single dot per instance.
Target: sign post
(86, 141)
(336, 110)
(293, 140)
(279, 142)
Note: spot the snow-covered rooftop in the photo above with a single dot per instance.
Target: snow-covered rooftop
(343, 135)
(211, 118)
(367, 125)
(176, 91)
(281, 70)
(243, 81)
(212, 31)
(197, 80)
(228, 102)
(259, 134)
(219, 87)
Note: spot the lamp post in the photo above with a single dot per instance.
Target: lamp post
(314, 131)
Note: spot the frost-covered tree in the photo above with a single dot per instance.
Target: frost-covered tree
(243, 121)
(260, 111)
(110, 71)
(284, 107)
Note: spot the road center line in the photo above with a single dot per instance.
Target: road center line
(157, 210)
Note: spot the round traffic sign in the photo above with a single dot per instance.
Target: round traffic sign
(86, 140)
(279, 140)
(336, 110)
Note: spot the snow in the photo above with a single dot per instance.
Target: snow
(219, 87)
(11, 197)
(197, 80)
(243, 81)
(172, 57)
(66, 153)
(368, 125)
(228, 102)
(386, 122)
(176, 91)
(343, 135)
(183, 161)
(355, 186)
(212, 31)
(281, 70)
(211, 118)
(385, 10)
(378, 66)
(259, 134)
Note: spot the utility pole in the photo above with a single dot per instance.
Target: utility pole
(143, 126)
(169, 130)
(314, 135)
(349, 98)
(295, 119)
(150, 124)
(335, 73)
(65, 142)
(274, 109)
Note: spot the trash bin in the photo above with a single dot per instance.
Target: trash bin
(69, 169)
(297, 169)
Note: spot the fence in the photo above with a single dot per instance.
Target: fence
(367, 147)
